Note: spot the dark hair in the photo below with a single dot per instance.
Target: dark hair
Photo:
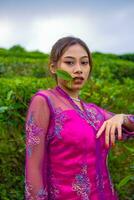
(62, 45)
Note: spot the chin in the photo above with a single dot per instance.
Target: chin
(77, 87)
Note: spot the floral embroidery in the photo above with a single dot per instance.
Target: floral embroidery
(99, 182)
(60, 118)
(42, 194)
(82, 184)
(33, 130)
(53, 191)
(94, 118)
(53, 185)
(59, 121)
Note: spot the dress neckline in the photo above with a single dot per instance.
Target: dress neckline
(65, 94)
(86, 113)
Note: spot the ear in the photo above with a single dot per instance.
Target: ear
(52, 69)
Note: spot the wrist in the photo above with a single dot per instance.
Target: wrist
(128, 118)
(125, 119)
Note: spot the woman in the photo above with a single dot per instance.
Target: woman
(67, 139)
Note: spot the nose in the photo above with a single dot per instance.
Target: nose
(78, 69)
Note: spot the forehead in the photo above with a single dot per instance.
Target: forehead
(75, 51)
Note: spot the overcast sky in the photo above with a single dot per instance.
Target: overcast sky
(106, 26)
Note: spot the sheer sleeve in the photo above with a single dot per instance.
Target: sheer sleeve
(126, 133)
(37, 122)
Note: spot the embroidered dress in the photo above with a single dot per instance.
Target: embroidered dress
(64, 160)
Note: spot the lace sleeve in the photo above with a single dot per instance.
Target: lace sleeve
(37, 122)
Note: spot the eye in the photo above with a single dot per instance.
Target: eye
(69, 62)
(84, 62)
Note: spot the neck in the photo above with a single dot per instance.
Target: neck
(71, 93)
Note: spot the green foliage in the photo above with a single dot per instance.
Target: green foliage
(15, 95)
(23, 73)
(65, 76)
(17, 49)
(122, 169)
(129, 56)
(23, 66)
(110, 67)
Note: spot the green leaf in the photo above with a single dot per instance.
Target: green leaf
(64, 75)
(129, 148)
(124, 181)
(9, 94)
(3, 109)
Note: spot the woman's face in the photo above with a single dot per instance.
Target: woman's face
(76, 62)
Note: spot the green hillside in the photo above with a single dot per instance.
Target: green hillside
(22, 73)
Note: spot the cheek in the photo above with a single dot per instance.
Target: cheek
(87, 71)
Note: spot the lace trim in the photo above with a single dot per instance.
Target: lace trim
(94, 117)
(42, 193)
(82, 184)
(32, 130)
(60, 119)
(54, 189)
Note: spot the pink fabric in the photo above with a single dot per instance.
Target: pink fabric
(64, 160)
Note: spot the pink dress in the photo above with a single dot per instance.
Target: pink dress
(61, 143)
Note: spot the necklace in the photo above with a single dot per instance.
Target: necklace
(70, 99)
(75, 99)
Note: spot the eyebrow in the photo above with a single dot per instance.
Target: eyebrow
(74, 57)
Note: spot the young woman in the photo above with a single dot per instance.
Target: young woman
(68, 139)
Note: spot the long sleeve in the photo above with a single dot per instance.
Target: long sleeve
(126, 133)
(37, 122)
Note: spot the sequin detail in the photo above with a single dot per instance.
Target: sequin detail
(42, 193)
(54, 189)
(99, 182)
(82, 184)
(60, 119)
(93, 117)
(32, 130)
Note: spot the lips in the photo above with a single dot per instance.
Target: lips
(79, 78)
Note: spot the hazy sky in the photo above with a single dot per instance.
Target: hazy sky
(106, 26)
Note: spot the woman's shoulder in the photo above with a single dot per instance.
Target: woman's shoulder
(91, 104)
(40, 95)
(42, 92)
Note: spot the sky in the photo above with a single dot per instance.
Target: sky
(106, 26)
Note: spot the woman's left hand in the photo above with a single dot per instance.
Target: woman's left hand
(111, 125)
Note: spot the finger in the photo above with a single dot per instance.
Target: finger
(101, 130)
(107, 133)
(112, 135)
(119, 128)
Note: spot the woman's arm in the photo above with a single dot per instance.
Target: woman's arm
(116, 126)
(36, 126)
